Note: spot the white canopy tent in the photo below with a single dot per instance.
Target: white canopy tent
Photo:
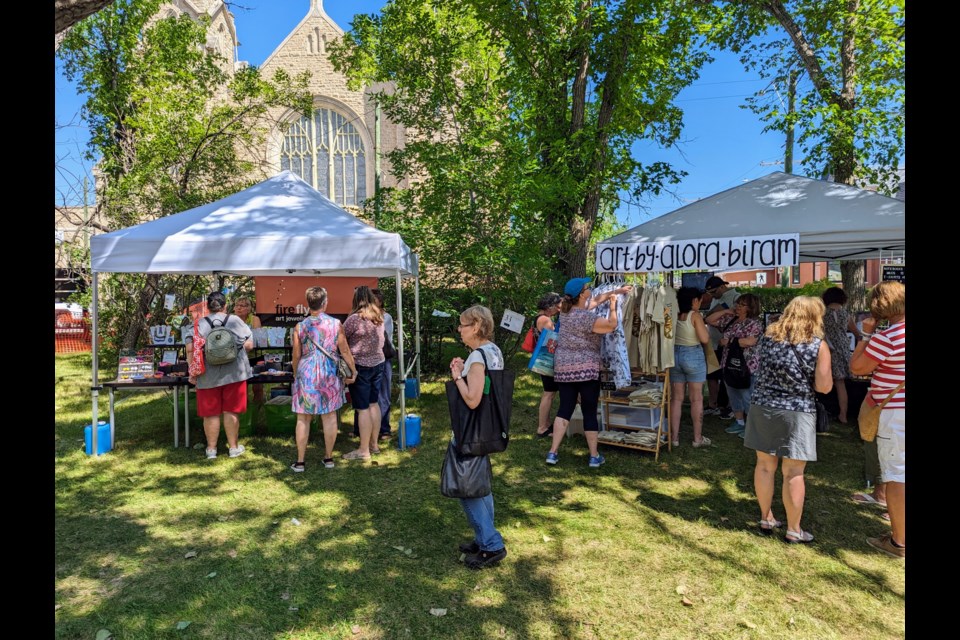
(834, 221)
(281, 226)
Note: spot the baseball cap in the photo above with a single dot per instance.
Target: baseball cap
(715, 281)
(575, 286)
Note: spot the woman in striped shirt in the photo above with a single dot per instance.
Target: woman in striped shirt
(883, 355)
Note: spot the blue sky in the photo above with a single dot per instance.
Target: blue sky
(721, 146)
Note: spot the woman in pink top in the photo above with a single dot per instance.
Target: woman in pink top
(364, 331)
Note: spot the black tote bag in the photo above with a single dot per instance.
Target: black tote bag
(485, 429)
(465, 476)
(736, 373)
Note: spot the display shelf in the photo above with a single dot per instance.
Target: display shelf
(619, 415)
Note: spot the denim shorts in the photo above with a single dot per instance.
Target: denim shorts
(365, 390)
(689, 365)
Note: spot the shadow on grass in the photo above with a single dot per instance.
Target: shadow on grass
(311, 555)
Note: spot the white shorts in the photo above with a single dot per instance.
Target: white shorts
(891, 445)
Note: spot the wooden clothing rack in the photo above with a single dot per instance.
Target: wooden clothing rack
(618, 415)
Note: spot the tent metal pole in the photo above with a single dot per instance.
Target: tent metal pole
(94, 381)
(401, 428)
(416, 318)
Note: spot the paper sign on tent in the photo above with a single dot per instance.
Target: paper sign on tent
(512, 321)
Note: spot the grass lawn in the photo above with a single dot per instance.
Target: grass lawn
(149, 538)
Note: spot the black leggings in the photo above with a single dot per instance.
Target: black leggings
(589, 393)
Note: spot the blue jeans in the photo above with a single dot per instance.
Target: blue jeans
(740, 398)
(480, 514)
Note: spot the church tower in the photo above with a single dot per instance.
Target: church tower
(335, 150)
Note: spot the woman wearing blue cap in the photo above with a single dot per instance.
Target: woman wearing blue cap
(576, 362)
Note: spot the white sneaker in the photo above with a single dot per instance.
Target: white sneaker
(238, 451)
(211, 454)
(704, 442)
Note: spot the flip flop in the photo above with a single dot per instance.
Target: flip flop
(865, 498)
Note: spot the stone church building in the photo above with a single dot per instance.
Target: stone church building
(337, 149)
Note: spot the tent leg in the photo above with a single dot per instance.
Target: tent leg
(401, 428)
(94, 375)
(416, 317)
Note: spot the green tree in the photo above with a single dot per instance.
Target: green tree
(171, 126)
(543, 97)
(851, 109)
(462, 208)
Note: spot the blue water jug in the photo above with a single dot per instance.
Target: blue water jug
(411, 430)
(103, 438)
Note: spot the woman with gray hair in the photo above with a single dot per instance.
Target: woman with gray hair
(476, 329)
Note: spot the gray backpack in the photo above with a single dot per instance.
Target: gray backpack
(221, 343)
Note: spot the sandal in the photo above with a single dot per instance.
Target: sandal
(374, 450)
(766, 527)
(328, 463)
(544, 434)
(862, 497)
(798, 537)
(355, 455)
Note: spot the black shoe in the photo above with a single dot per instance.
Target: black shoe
(548, 432)
(470, 547)
(485, 559)
(726, 414)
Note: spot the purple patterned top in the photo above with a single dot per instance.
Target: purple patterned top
(365, 340)
(577, 358)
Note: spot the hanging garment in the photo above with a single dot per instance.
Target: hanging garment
(631, 326)
(613, 347)
(669, 322)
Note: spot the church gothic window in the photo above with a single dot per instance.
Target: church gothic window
(327, 151)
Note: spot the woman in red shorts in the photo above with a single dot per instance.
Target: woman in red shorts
(222, 389)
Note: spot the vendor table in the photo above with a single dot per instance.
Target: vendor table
(166, 382)
(176, 384)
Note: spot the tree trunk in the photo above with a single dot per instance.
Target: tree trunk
(576, 263)
(853, 273)
(69, 12)
(143, 306)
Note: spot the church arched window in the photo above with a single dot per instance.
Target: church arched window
(327, 151)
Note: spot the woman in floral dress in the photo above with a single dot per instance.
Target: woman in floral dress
(316, 388)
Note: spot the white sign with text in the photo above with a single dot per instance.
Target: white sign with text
(709, 254)
(512, 321)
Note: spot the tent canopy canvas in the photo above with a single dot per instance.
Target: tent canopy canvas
(834, 221)
(279, 226)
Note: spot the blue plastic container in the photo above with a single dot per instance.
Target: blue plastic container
(411, 388)
(411, 430)
(103, 438)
